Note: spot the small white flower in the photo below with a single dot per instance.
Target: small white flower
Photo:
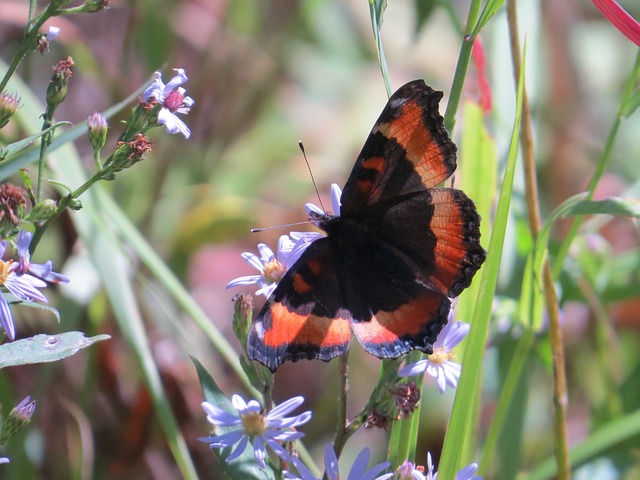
(262, 430)
(358, 470)
(173, 100)
(440, 364)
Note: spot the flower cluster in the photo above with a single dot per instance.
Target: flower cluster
(23, 278)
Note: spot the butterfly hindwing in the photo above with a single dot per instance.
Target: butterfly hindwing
(304, 317)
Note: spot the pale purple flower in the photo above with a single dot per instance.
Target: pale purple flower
(272, 267)
(173, 100)
(43, 271)
(440, 364)
(358, 470)
(263, 430)
(4, 460)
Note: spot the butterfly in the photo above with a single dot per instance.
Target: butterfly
(392, 260)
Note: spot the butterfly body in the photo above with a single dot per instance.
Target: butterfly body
(391, 260)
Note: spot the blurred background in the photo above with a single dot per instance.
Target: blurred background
(264, 75)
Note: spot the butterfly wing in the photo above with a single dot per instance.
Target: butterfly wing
(403, 240)
(407, 150)
(305, 316)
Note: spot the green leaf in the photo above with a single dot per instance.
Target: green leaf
(15, 147)
(461, 426)
(245, 465)
(489, 10)
(45, 348)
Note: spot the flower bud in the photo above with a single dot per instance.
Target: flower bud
(42, 211)
(17, 419)
(129, 153)
(9, 103)
(98, 129)
(57, 90)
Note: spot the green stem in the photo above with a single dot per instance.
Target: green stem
(342, 427)
(461, 67)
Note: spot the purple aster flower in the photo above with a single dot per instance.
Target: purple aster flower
(358, 469)
(4, 460)
(440, 364)
(465, 474)
(42, 271)
(173, 100)
(272, 267)
(263, 430)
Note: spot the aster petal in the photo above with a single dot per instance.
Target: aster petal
(6, 318)
(4, 460)
(172, 123)
(266, 254)
(220, 417)
(450, 374)
(313, 210)
(336, 194)
(253, 260)
(239, 404)
(259, 451)
(225, 440)
(359, 465)
(253, 406)
(188, 103)
(285, 407)
(246, 280)
(456, 334)
(283, 436)
(294, 421)
(239, 450)
(331, 463)
(155, 89)
(302, 241)
(267, 290)
(278, 449)
(46, 273)
(25, 287)
(3, 247)
(23, 241)
(415, 368)
(441, 380)
(467, 472)
(178, 79)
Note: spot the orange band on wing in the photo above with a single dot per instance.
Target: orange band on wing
(423, 150)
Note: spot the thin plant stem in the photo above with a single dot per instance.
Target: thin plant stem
(560, 396)
(342, 427)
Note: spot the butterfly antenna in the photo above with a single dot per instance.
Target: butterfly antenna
(287, 225)
(313, 180)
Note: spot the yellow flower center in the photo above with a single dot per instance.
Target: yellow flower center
(5, 270)
(440, 355)
(273, 271)
(253, 424)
